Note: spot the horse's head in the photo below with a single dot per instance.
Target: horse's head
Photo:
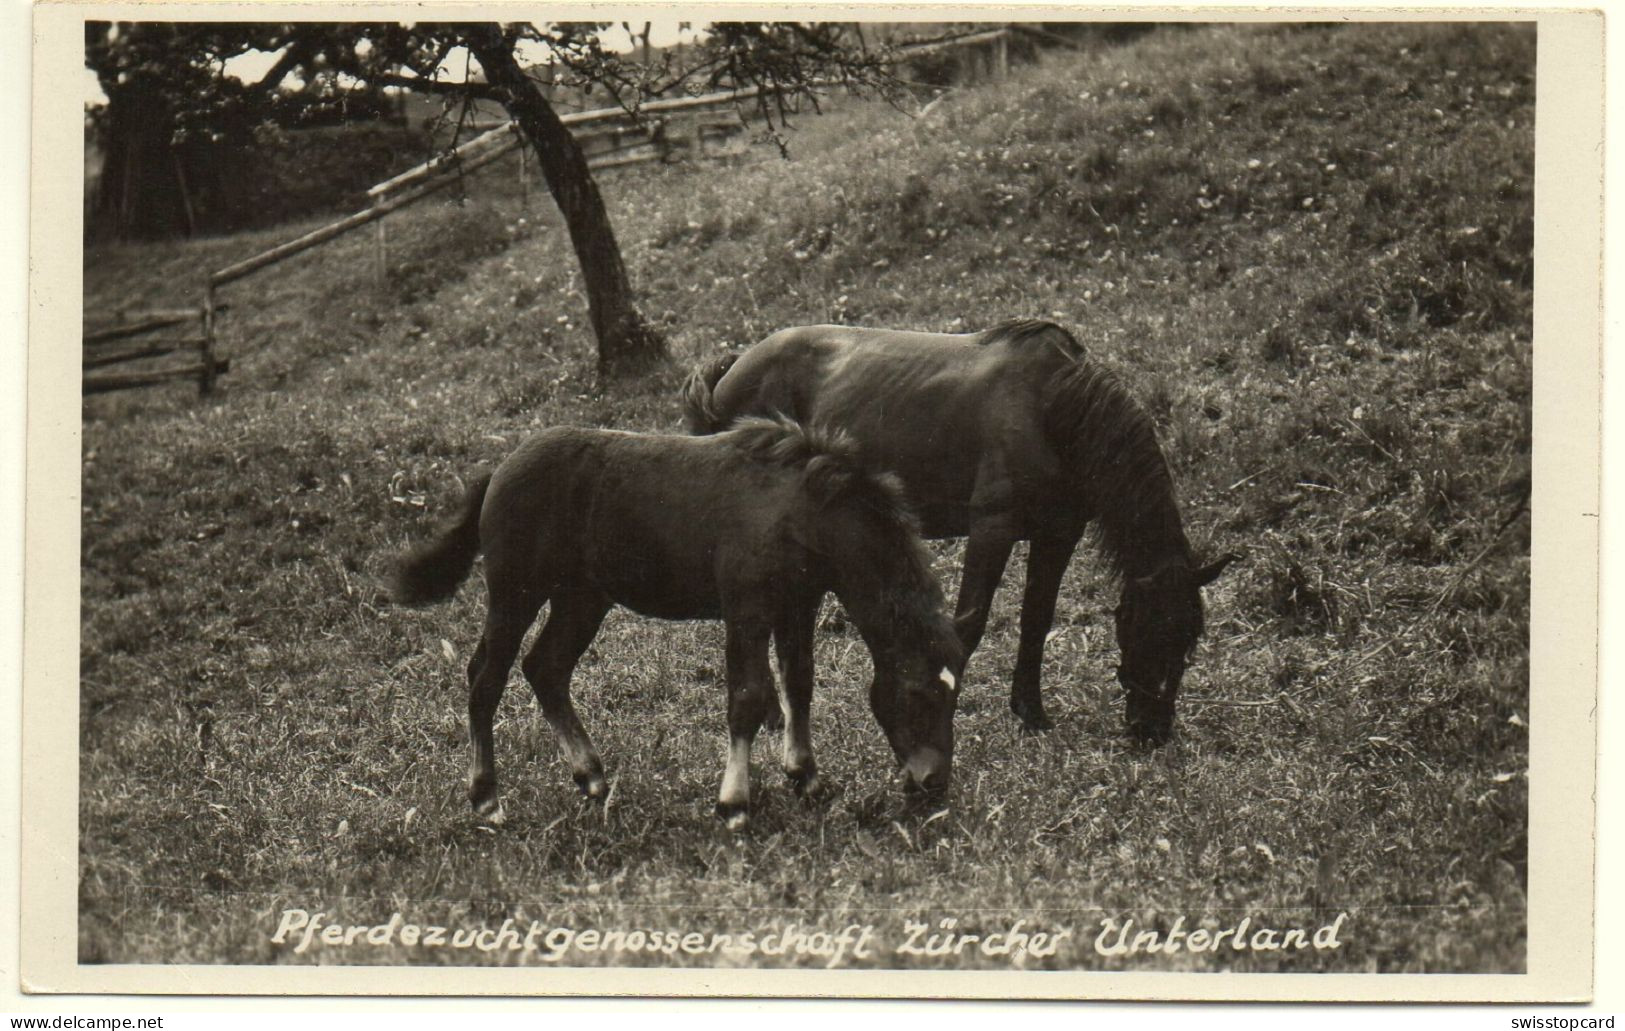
(859, 525)
(1159, 620)
(914, 701)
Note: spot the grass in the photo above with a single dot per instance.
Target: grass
(1308, 250)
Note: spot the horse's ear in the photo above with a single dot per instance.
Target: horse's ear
(1172, 573)
(826, 479)
(1210, 572)
(1168, 571)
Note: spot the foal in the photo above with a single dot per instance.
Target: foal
(752, 527)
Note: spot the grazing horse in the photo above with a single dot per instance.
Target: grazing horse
(1004, 435)
(751, 527)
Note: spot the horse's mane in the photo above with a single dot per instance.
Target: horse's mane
(782, 440)
(1111, 444)
(830, 458)
(832, 470)
(1021, 330)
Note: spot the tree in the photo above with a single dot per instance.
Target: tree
(178, 135)
(172, 74)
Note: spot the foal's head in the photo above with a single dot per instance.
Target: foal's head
(859, 526)
(1159, 620)
(886, 584)
(897, 603)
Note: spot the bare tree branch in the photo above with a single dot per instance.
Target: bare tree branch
(295, 55)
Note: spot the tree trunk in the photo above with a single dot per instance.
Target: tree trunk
(626, 344)
(136, 195)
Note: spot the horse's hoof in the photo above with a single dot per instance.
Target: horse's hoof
(1033, 719)
(491, 812)
(805, 783)
(933, 793)
(919, 802)
(592, 786)
(734, 816)
(1149, 731)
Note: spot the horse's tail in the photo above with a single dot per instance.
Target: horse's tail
(433, 570)
(699, 400)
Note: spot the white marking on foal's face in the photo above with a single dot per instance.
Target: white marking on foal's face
(948, 679)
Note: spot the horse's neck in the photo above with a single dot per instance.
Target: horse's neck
(881, 620)
(871, 615)
(1143, 537)
(877, 635)
(1118, 468)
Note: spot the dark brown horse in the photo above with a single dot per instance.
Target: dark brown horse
(751, 527)
(1005, 435)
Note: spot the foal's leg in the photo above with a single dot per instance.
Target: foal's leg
(794, 639)
(506, 621)
(750, 695)
(1046, 563)
(570, 628)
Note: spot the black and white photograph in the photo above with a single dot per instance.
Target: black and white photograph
(860, 507)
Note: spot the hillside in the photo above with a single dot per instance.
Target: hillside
(1308, 250)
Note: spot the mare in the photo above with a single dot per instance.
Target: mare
(1010, 434)
(752, 527)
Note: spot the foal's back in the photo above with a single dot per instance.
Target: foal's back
(653, 522)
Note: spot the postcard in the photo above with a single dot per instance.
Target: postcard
(923, 504)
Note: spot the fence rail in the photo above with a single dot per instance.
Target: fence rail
(597, 123)
(203, 372)
(504, 133)
(231, 273)
(704, 101)
(152, 349)
(117, 344)
(611, 137)
(131, 324)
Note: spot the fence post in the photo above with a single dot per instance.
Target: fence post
(524, 176)
(382, 237)
(659, 136)
(205, 382)
(1001, 55)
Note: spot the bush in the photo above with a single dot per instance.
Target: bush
(314, 171)
(278, 176)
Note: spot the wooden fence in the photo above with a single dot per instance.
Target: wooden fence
(126, 338)
(977, 56)
(611, 137)
(605, 135)
(663, 130)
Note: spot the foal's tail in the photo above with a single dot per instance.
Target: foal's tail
(699, 404)
(433, 570)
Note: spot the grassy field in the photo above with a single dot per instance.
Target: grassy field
(1309, 252)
